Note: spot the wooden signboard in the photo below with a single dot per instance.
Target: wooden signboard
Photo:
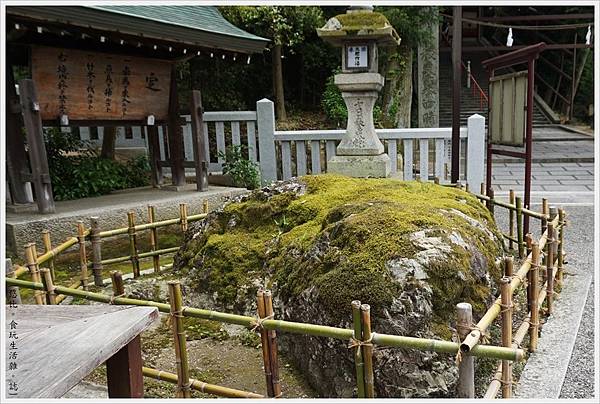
(508, 94)
(86, 85)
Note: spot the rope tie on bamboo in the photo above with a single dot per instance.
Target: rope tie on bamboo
(502, 382)
(355, 343)
(506, 307)
(484, 338)
(257, 324)
(113, 297)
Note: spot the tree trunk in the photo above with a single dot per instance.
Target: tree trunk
(108, 142)
(278, 82)
(397, 92)
(404, 89)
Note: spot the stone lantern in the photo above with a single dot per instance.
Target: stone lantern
(359, 32)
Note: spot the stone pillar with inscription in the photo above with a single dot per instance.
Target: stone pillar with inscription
(428, 77)
(359, 32)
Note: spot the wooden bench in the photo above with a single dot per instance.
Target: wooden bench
(57, 346)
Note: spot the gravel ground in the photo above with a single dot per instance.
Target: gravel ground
(579, 382)
(579, 244)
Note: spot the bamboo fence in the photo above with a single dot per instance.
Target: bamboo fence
(361, 337)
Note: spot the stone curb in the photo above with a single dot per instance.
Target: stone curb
(546, 368)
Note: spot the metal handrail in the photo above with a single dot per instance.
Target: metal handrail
(482, 94)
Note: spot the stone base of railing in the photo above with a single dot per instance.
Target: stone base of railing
(360, 166)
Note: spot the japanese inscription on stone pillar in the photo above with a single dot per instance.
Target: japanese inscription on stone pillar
(428, 78)
(86, 85)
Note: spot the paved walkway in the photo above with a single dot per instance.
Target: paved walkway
(563, 161)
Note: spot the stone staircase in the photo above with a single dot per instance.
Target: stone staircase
(470, 103)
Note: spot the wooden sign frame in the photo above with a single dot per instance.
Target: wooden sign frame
(94, 88)
(508, 109)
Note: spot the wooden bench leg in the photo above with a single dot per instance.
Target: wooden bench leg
(124, 372)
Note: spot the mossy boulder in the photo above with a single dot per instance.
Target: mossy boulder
(411, 250)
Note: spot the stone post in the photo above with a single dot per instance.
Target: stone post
(265, 116)
(428, 76)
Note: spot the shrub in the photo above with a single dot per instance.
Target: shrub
(333, 103)
(242, 171)
(77, 172)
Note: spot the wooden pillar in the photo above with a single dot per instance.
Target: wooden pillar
(124, 372)
(200, 164)
(37, 150)
(466, 368)
(16, 156)
(456, 88)
(176, 147)
(156, 174)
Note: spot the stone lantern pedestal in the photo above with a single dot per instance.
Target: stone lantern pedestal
(360, 153)
(358, 33)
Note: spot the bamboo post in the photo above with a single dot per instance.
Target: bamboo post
(561, 244)
(153, 238)
(48, 247)
(205, 206)
(544, 212)
(34, 270)
(264, 339)
(82, 255)
(519, 215)
(13, 295)
(367, 350)
(528, 243)
(183, 374)
(508, 267)
(48, 286)
(359, 364)
(466, 369)
(534, 303)
(529, 246)
(272, 336)
(133, 252)
(549, 269)
(96, 250)
(183, 217)
(491, 201)
(511, 220)
(506, 297)
(117, 283)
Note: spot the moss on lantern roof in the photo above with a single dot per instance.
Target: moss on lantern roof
(359, 25)
(362, 21)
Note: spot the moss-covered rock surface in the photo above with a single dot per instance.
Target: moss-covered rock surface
(411, 250)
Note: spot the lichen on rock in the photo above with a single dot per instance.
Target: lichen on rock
(412, 250)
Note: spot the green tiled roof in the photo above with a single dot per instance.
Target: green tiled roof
(195, 26)
(205, 18)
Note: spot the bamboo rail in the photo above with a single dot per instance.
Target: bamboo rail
(526, 326)
(198, 385)
(146, 226)
(424, 344)
(492, 313)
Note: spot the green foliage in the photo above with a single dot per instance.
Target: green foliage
(333, 103)
(411, 23)
(243, 172)
(76, 172)
(285, 25)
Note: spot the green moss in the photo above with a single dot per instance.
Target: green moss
(362, 20)
(362, 224)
